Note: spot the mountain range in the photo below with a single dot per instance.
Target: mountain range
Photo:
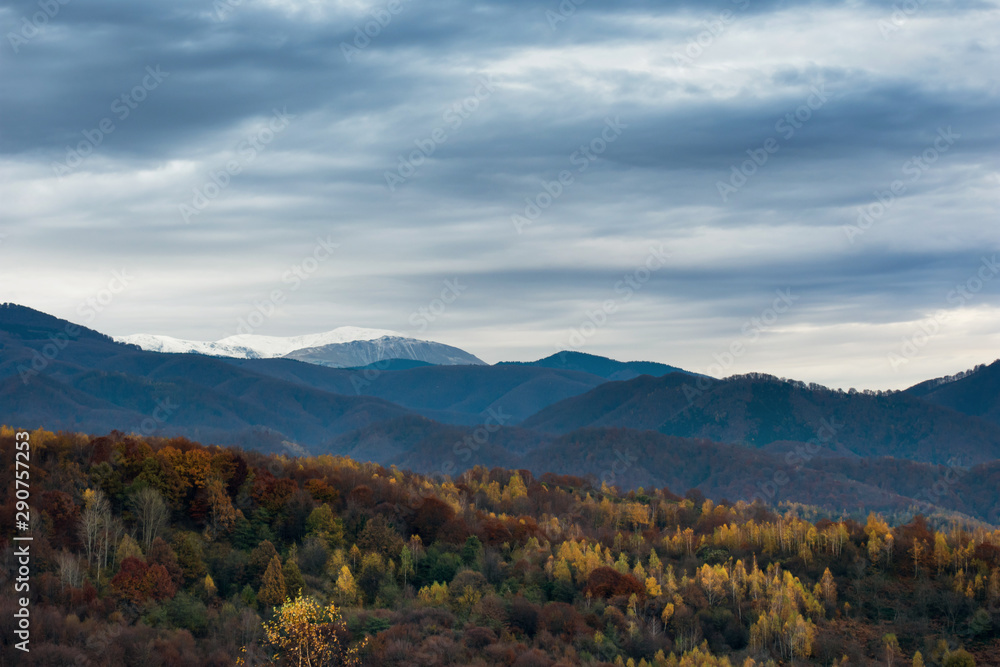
(624, 423)
(343, 347)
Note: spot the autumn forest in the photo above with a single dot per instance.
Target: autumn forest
(152, 551)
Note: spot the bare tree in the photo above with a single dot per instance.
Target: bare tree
(90, 523)
(111, 533)
(99, 529)
(70, 573)
(151, 512)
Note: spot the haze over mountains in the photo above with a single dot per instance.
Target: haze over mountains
(624, 423)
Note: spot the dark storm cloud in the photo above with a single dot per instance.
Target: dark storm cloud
(872, 83)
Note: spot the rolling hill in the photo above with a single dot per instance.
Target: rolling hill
(62, 376)
(759, 410)
(609, 369)
(975, 392)
(932, 448)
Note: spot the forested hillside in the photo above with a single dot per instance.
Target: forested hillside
(758, 410)
(166, 552)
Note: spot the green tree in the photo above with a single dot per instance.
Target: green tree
(471, 550)
(260, 558)
(323, 523)
(380, 536)
(190, 557)
(294, 583)
(371, 575)
(272, 590)
(406, 564)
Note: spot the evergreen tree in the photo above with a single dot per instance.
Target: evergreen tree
(272, 590)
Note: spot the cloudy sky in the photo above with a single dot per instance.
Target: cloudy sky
(801, 188)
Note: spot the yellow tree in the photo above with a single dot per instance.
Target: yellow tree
(515, 488)
(828, 588)
(917, 551)
(305, 634)
(879, 538)
(127, 548)
(667, 613)
(346, 585)
(221, 513)
(891, 648)
(713, 581)
(801, 637)
(561, 571)
(942, 554)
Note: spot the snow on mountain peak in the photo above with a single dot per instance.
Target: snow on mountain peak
(277, 346)
(252, 346)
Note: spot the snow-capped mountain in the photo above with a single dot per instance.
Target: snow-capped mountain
(250, 346)
(342, 347)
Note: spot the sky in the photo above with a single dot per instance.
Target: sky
(804, 189)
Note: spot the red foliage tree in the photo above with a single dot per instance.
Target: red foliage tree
(322, 492)
(65, 514)
(161, 553)
(606, 582)
(432, 515)
(270, 492)
(560, 619)
(138, 581)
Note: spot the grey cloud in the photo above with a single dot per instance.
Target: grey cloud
(657, 182)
